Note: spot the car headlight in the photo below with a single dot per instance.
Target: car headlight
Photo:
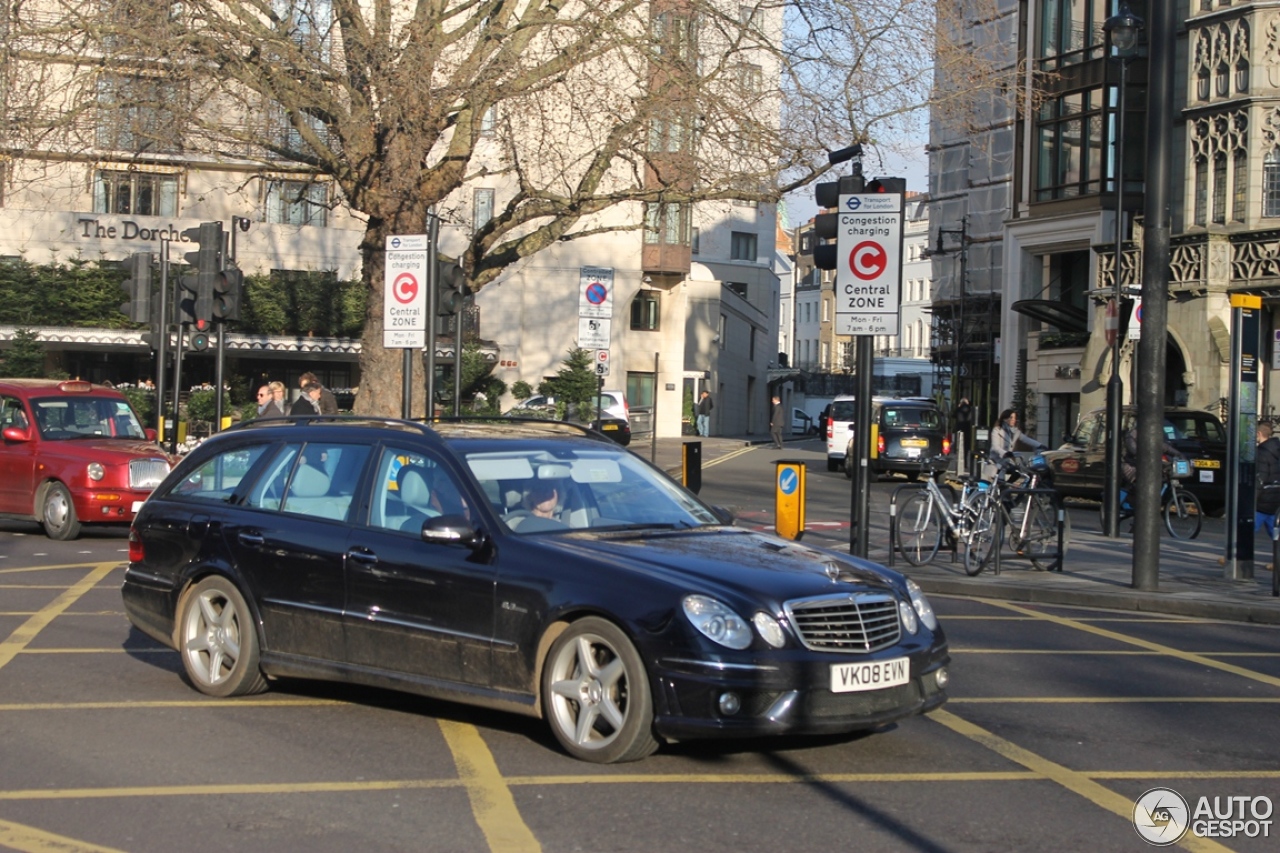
(717, 621)
(769, 629)
(96, 471)
(923, 608)
(908, 616)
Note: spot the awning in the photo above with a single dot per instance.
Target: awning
(1061, 315)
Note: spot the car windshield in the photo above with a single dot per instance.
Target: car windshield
(66, 418)
(541, 490)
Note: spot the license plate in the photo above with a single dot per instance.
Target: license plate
(915, 442)
(1206, 463)
(869, 675)
(608, 427)
(912, 452)
(137, 505)
(1206, 476)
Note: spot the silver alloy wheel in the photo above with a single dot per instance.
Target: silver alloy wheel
(596, 694)
(211, 638)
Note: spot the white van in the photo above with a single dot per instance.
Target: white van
(840, 429)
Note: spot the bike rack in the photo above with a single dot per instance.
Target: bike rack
(893, 518)
(1060, 511)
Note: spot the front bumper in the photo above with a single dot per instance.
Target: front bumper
(787, 699)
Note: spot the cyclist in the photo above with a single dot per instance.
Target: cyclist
(1129, 463)
(1005, 439)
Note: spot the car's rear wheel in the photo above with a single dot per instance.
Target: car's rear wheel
(595, 693)
(217, 640)
(58, 513)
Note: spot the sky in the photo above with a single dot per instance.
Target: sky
(801, 207)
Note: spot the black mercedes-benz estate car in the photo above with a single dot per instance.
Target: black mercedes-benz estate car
(529, 566)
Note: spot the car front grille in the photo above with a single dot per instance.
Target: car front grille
(147, 473)
(857, 622)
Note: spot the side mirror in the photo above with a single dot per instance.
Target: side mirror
(452, 530)
(723, 514)
(16, 434)
(151, 434)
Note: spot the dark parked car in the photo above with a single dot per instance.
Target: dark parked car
(911, 437)
(1079, 466)
(532, 567)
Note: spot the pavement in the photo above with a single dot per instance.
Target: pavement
(1097, 571)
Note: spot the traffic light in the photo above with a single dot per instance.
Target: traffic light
(200, 334)
(227, 292)
(137, 287)
(207, 264)
(887, 185)
(826, 225)
(451, 288)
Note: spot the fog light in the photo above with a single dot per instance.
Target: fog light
(730, 704)
(941, 677)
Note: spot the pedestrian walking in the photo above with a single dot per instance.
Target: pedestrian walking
(328, 403)
(267, 406)
(776, 422)
(705, 405)
(962, 432)
(1267, 480)
(309, 402)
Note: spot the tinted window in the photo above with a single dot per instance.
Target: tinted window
(11, 413)
(912, 416)
(410, 487)
(844, 410)
(218, 477)
(316, 479)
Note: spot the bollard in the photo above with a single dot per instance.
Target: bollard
(691, 466)
(789, 500)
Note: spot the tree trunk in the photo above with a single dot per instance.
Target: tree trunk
(381, 369)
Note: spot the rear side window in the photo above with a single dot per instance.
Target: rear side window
(317, 479)
(219, 477)
(912, 416)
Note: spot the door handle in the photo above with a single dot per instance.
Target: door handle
(363, 556)
(251, 539)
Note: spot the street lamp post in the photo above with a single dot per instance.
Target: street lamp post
(1122, 31)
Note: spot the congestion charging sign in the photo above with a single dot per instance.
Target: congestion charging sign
(869, 272)
(404, 320)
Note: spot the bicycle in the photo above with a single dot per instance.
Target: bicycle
(1028, 512)
(1183, 516)
(918, 531)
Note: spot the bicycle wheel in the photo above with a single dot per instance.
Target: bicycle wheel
(1039, 539)
(1183, 515)
(981, 542)
(919, 532)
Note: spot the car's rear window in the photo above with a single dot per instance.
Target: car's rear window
(844, 410)
(912, 416)
(1202, 429)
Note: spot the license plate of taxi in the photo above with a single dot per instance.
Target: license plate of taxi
(915, 442)
(869, 675)
(1206, 463)
(608, 427)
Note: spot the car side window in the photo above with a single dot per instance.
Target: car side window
(317, 479)
(409, 487)
(11, 413)
(219, 477)
(1086, 432)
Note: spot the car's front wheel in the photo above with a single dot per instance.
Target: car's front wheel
(595, 693)
(217, 640)
(58, 514)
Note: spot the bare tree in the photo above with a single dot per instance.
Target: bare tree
(581, 112)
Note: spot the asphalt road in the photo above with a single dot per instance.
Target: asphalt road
(1059, 720)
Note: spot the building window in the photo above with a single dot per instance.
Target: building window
(826, 354)
(1071, 31)
(720, 333)
(297, 203)
(696, 240)
(737, 287)
(482, 208)
(1220, 189)
(136, 114)
(1239, 187)
(489, 122)
(742, 246)
(826, 310)
(750, 78)
(137, 193)
(669, 134)
(1070, 146)
(666, 223)
(646, 311)
(1271, 183)
(675, 37)
(1201, 192)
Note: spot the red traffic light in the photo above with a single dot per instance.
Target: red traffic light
(202, 325)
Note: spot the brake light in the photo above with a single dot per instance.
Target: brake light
(136, 551)
(946, 445)
(880, 444)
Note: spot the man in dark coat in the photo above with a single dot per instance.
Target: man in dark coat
(962, 429)
(309, 402)
(776, 422)
(1267, 470)
(328, 403)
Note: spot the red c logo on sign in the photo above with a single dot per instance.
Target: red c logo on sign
(868, 260)
(404, 288)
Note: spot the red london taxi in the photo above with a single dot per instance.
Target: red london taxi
(73, 453)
